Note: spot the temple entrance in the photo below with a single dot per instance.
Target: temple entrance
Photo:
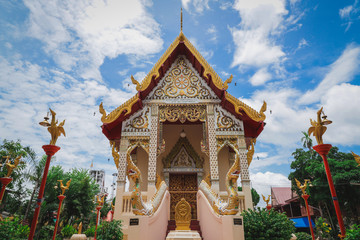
(183, 185)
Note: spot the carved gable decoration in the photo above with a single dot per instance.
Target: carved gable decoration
(139, 122)
(182, 81)
(183, 155)
(225, 121)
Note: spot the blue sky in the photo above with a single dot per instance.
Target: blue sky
(71, 55)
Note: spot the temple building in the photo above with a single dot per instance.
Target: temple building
(182, 136)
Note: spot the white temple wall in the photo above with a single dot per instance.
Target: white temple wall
(224, 166)
(142, 159)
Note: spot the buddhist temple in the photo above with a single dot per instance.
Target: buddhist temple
(182, 136)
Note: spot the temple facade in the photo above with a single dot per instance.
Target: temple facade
(182, 136)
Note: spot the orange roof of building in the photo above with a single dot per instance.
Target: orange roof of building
(281, 194)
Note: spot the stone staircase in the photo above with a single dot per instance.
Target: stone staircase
(194, 225)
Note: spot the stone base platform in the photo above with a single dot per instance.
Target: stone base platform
(78, 237)
(183, 235)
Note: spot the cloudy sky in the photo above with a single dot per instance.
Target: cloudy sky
(72, 55)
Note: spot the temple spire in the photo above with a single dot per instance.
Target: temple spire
(181, 21)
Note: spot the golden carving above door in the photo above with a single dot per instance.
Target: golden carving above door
(191, 113)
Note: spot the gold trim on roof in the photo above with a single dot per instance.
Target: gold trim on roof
(181, 38)
(252, 113)
(117, 112)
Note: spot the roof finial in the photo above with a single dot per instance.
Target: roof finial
(181, 21)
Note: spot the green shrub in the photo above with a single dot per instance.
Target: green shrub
(303, 236)
(322, 228)
(45, 232)
(262, 224)
(68, 231)
(353, 233)
(110, 230)
(13, 229)
(90, 232)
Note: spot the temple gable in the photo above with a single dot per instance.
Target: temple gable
(182, 82)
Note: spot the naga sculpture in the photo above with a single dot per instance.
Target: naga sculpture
(138, 205)
(231, 206)
(54, 129)
(318, 129)
(251, 151)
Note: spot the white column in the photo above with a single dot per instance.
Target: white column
(121, 179)
(152, 151)
(213, 156)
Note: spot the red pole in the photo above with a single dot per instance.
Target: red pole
(323, 150)
(61, 198)
(305, 197)
(50, 150)
(4, 181)
(97, 219)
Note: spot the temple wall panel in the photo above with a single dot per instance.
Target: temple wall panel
(224, 166)
(142, 163)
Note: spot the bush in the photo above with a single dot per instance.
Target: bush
(110, 230)
(68, 231)
(353, 233)
(45, 232)
(90, 232)
(322, 228)
(263, 224)
(13, 229)
(303, 236)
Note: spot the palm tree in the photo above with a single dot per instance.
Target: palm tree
(307, 142)
(35, 175)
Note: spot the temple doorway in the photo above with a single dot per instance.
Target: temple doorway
(183, 185)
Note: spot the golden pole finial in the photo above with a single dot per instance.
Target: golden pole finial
(181, 21)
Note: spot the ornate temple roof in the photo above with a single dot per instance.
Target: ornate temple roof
(253, 120)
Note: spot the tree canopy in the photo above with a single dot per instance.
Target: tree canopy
(345, 174)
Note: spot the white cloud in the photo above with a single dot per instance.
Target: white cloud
(262, 183)
(350, 14)
(25, 100)
(260, 77)
(198, 5)
(255, 38)
(212, 31)
(341, 104)
(82, 33)
(342, 70)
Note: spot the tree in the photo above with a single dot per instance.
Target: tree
(254, 195)
(344, 172)
(14, 202)
(79, 201)
(307, 141)
(263, 224)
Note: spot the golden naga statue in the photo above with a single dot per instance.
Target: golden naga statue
(266, 200)
(231, 206)
(318, 127)
(302, 187)
(158, 181)
(138, 205)
(115, 153)
(54, 129)
(357, 158)
(251, 151)
(10, 167)
(182, 215)
(135, 82)
(64, 188)
(207, 179)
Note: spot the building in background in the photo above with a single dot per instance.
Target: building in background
(99, 177)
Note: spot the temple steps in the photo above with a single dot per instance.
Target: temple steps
(194, 225)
